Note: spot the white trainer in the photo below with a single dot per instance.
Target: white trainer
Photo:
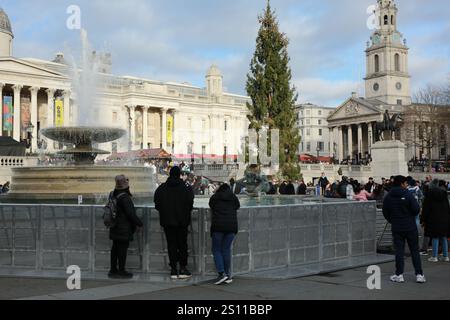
(433, 259)
(398, 279)
(446, 259)
(420, 278)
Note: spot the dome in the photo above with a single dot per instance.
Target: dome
(214, 71)
(5, 24)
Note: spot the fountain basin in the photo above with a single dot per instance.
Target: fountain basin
(92, 182)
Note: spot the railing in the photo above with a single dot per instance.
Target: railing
(6, 162)
(46, 237)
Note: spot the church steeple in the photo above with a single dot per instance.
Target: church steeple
(387, 76)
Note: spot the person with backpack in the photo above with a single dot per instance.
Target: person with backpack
(174, 202)
(123, 222)
(400, 209)
(224, 227)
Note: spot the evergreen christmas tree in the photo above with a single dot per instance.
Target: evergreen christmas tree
(273, 98)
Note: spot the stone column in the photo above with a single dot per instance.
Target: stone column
(145, 127)
(164, 127)
(66, 95)
(350, 141)
(50, 107)
(2, 85)
(360, 140)
(132, 127)
(340, 144)
(331, 142)
(370, 137)
(17, 119)
(174, 131)
(34, 116)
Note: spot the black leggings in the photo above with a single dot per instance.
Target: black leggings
(119, 255)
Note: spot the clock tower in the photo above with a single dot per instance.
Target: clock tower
(387, 77)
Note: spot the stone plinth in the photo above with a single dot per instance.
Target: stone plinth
(389, 159)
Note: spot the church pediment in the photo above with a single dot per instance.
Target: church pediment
(354, 108)
(21, 67)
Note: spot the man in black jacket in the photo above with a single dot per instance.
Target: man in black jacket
(400, 209)
(174, 202)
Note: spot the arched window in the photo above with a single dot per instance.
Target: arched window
(392, 20)
(386, 20)
(397, 62)
(377, 63)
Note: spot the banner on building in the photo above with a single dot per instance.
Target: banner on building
(169, 130)
(59, 113)
(8, 111)
(25, 115)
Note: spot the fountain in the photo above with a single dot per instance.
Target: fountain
(80, 177)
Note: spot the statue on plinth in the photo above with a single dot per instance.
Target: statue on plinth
(389, 124)
(254, 182)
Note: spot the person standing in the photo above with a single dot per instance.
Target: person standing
(125, 226)
(224, 228)
(302, 188)
(370, 186)
(436, 218)
(400, 210)
(174, 202)
(323, 182)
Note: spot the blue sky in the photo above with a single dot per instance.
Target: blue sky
(178, 40)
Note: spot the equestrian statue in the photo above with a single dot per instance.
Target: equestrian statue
(389, 124)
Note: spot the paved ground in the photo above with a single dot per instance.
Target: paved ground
(349, 284)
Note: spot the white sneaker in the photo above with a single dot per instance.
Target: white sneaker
(420, 278)
(446, 259)
(398, 279)
(433, 259)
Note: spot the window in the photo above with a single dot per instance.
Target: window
(320, 122)
(302, 112)
(321, 146)
(308, 112)
(226, 125)
(190, 148)
(308, 121)
(308, 147)
(377, 63)
(320, 112)
(308, 132)
(114, 117)
(302, 147)
(320, 132)
(392, 20)
(386, 20)
(397, 62)
(203, 124)
(399, 102)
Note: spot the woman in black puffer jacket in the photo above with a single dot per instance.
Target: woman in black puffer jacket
(122, 233)
(224, 227)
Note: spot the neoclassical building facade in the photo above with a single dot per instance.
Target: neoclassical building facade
(387, 87)
(185, 120)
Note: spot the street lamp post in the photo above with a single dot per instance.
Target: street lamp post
(318, 152)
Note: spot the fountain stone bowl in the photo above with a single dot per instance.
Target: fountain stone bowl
(83, 178)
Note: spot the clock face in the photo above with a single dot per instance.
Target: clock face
(376, 87)
(376, 39)
(398, 86)
(396, 38)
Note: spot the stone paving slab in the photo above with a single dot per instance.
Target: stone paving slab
(319, 268)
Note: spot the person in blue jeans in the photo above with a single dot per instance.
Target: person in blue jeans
(224, 227)
(436, 218)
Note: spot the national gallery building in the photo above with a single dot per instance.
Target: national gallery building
(186, 121)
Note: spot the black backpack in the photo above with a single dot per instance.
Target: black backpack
(110, 211)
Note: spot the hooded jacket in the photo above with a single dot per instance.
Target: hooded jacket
(127, 220)
(174, 202)
(436, 214)
(400, 208)
(224, 206)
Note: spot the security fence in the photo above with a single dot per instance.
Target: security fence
(53, 237)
